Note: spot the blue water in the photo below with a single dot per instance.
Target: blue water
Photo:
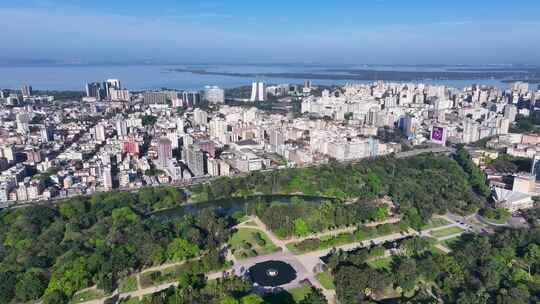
(142, 77)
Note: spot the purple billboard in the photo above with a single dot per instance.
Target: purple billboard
(437, 133)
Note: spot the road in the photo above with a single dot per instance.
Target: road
(56, 200)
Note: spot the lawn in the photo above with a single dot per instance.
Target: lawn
(250, 223)
(326, 280)
(450, 242)
(169, 274)
(383, 263)
(132, 301)
(300, 293)
(324, 242)
(446, 232)
(87, 295)
(247, 242)
(436, 222)
(128, 284)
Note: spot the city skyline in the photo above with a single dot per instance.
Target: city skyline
(372, 32)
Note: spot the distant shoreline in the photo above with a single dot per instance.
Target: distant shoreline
(532, 76)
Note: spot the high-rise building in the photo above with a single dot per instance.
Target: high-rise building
(4, 93)
(155, 97)
(130, 146)
(100, 132)
(119, 95)
(93, 89)
(164, 152)
(194, 158)
(9, 153)
(258, 91)
(510, 112)
(214, 95)
(27, 90)
(46, 133)
(200, 117)
(191, 98)
(121, 128)
(107, 178)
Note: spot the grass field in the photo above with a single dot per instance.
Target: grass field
(449, 242)
(436, 222)
(247, 242)
(87, 295)
(326, 280)
(383, 264)
(128, 284)
(300, 293)
(446, 232)
(250, 223)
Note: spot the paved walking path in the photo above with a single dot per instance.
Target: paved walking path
(305, 264)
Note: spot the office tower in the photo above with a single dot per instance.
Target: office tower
(214, 95)
(194, 158)
(26, 90)
(46, 133)
(108, 86)
(121, 128)
(100, 132)
(164, 152)
(200, 117)
(114, 84)
(4, 93)
(130, 146)
(307, 84)
(406, 124)
(93, 89)
(258, 91)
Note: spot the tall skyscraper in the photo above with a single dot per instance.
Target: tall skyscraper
(164, 152)
(27, 90)
(258, 91)
(109, 86)
(93, 89)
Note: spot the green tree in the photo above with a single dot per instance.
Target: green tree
(314, 297)
(252, 299)
(7, 286)
(180, 249)
(55, 297)
(123, 217)
(300, 227)
(229, 300)
(532, 256)
(30, 286)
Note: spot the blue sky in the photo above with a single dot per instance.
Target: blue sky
(346, 31)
